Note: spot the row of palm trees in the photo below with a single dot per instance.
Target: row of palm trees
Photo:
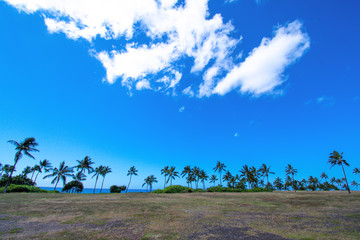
(29, 145)
(248, 177)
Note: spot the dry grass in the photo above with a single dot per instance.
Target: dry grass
(278, 215)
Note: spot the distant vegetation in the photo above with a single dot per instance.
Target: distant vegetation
(249, 178)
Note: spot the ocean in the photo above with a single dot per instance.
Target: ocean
(97, 190)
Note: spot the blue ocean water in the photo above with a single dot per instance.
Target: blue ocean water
(97, 190)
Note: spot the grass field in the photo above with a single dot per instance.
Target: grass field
(278, 215)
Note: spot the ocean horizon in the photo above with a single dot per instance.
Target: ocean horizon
(91, 190)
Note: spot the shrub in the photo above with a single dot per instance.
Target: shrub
(25, 188)
(17, 180)
(157, 191)
(174, 189)
(73, 186)
(226, 189)
(198, 190)
(117, 189)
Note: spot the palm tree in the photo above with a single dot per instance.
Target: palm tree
(278, 183)
(355, 184)
(248, 174)
(60, 173)
(79, 177)
(219, 167)
(290, 170)
(98, 171)
(149, 182)
(265, 171)
(213, 179)
(1, 169)
(45, 164)
(196, 173)
(132, 171)
(172, 174)
(85, 164)
(24, 147)
(36, 168)
(7, 169)
(186, 172)
(26, 171)
(105, 171)
(356, 171)
(227, 177)
(203, 177)
(324, 176)
(165, 171)
(337, 159)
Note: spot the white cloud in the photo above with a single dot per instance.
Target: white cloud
(169, 33)
(181, 109)
(143, 84)
(188, 91)
(263, 69)
(236, 134)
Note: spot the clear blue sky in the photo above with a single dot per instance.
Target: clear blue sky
(72, 83)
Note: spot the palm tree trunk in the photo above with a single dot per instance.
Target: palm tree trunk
(36, 177)
(347, 185)
(56, 183)
(8, 181)
(165, 182)
(220, 178)
(170, 182)
(32, 175)
(293, 183)
(102, 184)
(150, 187)
(204, 184)
(96, 182)
(129, 184)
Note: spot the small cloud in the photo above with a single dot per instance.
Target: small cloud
(236, 134)
(325, 100)
(182, 109)
(187, 91)
(143, 84)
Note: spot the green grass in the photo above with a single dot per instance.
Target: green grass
(301, 215)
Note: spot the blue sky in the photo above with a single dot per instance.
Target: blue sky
(140, 91)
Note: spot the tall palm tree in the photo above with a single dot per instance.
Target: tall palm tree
(265, 171)
(24, 147)
(213, 179)
(278, 183)
(1, 169)
(60, 173)
(26, 171)
(85, 164)
(203, 177)
(248, 174)
(219, 167)
(98, 171)
(336, 158)
(290, 170)
(196, 173)
(132, 171)
(186, 172)
(172, 174)
(105, 171)
(146, 182)
(165, 172)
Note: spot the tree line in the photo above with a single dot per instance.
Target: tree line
(248, 177)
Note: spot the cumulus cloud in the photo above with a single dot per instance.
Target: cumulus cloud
(181, 109)
(263, 69)
(325, 100)
(155, 36)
